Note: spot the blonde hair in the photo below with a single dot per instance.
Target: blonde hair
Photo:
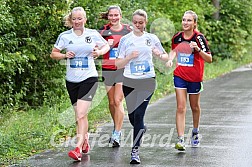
(104, 15)
(195, 17)
(68, 17)
(141, 12)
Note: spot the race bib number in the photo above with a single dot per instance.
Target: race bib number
(185, 59)
(113, 53)
(139, 68)
(79, 62)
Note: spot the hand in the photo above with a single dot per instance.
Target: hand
(169, 63)
(156, 52)
(70, 54)
(96, 52)
(194, 45)
(134, 54)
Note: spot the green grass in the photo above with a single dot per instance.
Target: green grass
(24, 133)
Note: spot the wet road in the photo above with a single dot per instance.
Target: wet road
(226, 132)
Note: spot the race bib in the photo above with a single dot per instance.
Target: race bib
(79, 62)
(185, 59)
(113, 53)
(139, 68)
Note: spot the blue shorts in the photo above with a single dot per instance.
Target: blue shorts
(192, 87)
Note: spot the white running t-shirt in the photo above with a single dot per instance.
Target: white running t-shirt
(82, 66)
(142, 66)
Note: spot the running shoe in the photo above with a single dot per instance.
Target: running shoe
(115, 139)
(75, 154)
(86, 147)
(180, 145)
(195, 140)
(135, 159)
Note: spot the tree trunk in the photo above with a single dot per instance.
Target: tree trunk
(216, 4)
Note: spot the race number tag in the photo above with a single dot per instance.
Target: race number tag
(113, 53)
(79, 62)
(185, 59)
(139, 68)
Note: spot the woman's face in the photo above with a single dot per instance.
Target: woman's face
(139, 23)
(78, 20)
(114, 17)
(188, 23)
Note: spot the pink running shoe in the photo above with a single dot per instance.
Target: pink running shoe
(75, 154)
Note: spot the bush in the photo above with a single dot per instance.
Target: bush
(229, 35)
(29, 75)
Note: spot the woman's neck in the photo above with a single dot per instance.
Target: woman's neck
(188, 34)
(78, 32)
(117, 26)
(138, 33)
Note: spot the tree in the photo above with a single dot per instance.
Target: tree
(216, 4)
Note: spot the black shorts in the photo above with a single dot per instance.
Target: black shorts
(111, 77)
(84, 90)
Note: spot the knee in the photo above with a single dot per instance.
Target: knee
(181, 109)
(81, 115)
(117, 102)
(111, 103)
(195, 108)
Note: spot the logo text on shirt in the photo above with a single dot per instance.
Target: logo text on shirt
(88, 40)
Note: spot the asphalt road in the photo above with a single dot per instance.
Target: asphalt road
(226, 132)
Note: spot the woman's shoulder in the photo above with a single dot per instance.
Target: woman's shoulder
(179, 33)
(67, 32)
(91, 31)
(199, 35)
(105, 27)
(127, 37)
(151, 35)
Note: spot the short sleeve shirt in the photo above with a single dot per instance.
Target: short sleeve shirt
(82, 66)
(190, 67)
(142, 66)
(113, 37)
